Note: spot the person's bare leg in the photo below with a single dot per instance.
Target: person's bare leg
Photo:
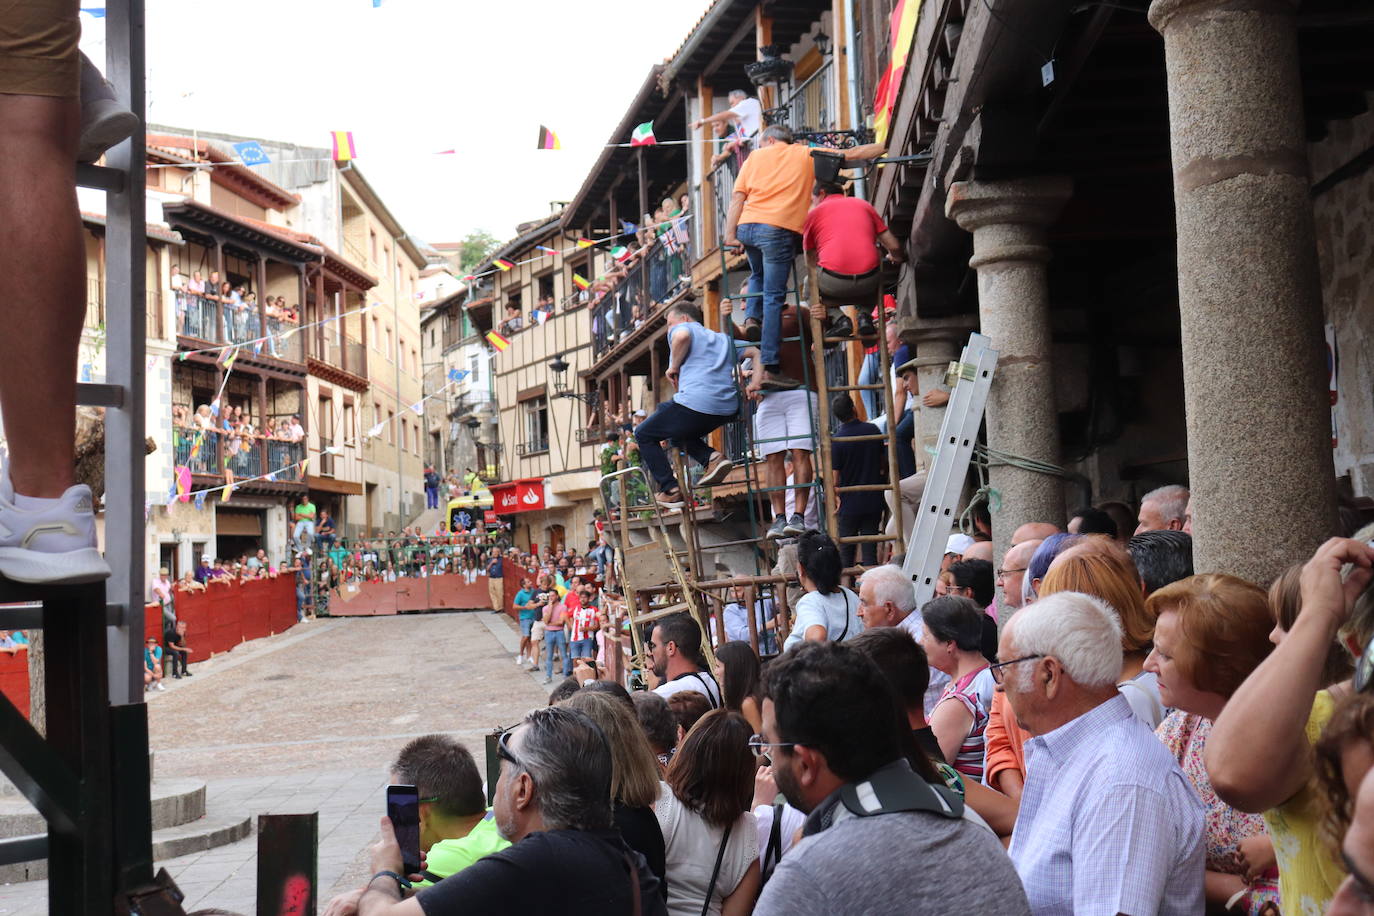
(776, 479)
(42, 282)
(802, 474)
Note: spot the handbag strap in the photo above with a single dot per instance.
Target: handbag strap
(715, 872)
(634, 883)
(772, 853)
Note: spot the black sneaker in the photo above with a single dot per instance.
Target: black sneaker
(841, 327)
(867, 330)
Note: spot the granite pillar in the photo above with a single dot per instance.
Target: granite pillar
(1254, 369)
(1008, 220)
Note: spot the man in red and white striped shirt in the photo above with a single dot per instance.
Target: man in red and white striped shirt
(584, 621)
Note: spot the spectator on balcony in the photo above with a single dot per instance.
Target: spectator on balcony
(841, 238)
(205, 571)
(205, 418)
(295, 432)
(212, 286)
(229, 305)
(196, 285)
(701, 367)
(745, 114)
(189, 583)
(177, 282)
(513, 320)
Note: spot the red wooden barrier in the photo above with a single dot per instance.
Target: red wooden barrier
(14, 679)
(449, 592)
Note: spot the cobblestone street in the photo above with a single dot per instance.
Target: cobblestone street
(307, 721)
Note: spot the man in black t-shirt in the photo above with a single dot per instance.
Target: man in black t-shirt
(175, 648)
(857, 463)
(553, 802)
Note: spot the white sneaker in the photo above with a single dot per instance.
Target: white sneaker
(519, 659)
(54, 545)
(160, 687)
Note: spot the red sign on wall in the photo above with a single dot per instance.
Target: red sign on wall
(525, 495)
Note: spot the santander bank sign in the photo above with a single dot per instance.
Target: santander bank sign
(525, 495)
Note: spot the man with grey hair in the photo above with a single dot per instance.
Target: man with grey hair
(1108, 821)
(745, 114)
(1163, 509)
(553, 802)
(888, 599)
(1011, 577)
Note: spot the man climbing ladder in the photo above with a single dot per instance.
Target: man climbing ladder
(700, 365)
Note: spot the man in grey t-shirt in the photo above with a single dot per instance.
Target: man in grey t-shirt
(830, 727)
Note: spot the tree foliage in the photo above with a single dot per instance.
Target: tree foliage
(476, 246)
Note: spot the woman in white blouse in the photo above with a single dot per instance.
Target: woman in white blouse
(828, 611)
(710, 837)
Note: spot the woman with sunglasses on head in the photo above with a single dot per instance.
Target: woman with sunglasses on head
(1259, 755)
(1211, 631)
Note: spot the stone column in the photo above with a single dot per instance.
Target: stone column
(1008, 221)
(937, 343)
(1254, 371)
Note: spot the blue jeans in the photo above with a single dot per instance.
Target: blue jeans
(584, 648)
(684, 427)
(906, 450)
(869, 375)
(431, 497)
(771, 251)
(556, 639)
(307, 527)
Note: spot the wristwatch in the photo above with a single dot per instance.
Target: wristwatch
(401, 880)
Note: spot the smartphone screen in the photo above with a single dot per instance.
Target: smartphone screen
(403, 807)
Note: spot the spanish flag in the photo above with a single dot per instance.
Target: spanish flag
(901, 32)
(548, 139)
(585, 243)
(497, 341)
(344, 150)
(581, 282)
(503, 263)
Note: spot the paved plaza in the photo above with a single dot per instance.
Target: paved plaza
(307, 721)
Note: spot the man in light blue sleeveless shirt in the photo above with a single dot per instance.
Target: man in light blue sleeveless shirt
(700, 365)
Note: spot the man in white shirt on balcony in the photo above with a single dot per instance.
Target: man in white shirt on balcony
(744, 111)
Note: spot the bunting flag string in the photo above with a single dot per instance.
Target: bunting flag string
(628, 229)
(281, 336)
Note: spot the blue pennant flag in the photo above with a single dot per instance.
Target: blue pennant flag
(271, 475)
(200, 500)
(97, 11)
(251, 153)
(457, 375)
(628, 228)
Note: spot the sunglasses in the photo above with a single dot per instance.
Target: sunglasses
(503, 751)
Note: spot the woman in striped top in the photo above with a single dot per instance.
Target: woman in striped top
(952, 637)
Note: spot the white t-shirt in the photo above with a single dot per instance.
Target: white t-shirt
(700, 681)
(750, 114)
(1142, 692)
(838, 612)
(691, 845)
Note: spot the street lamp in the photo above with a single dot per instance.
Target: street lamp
(559, 368)
(823, 42)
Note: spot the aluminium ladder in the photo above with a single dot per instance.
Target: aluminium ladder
(973, 376)
(88, 776)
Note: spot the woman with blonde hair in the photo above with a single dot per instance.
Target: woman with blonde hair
(1211, 631)
(1101, 567)
(634, 775)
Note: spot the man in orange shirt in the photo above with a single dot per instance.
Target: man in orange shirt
(767, 214)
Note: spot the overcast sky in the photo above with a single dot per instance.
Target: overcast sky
(411, 78)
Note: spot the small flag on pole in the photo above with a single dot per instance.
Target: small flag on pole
(503, 263)
(200, 500)
(183, 482)
(419, 408)
(97, 12)
(497, 341)
(548, 139)
(457, 375)
(251, 153)
(542, 315)
(547, 250)
(585, 243)
(228, 362)
(344, 151)
(643, 135)
(620, 252)
(627, 227)
(581, 282)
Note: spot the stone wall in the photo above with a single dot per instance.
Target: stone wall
(1345, 245)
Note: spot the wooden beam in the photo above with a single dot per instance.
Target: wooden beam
(731, 43)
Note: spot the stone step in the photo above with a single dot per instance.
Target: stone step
(9, 790)
(174, 802)
(168, 843)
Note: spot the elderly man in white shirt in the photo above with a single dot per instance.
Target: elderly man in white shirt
(887, 598)
(1108, 822)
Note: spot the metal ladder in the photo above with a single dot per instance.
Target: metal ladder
(945, 482)
(89, 776)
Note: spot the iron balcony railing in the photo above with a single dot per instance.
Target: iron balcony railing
(211, 452)
(217, 322)
(810, 107)
(652, 279)
(341, 352)
(532, 447)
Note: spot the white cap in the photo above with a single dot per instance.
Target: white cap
(641, 412)
(206, 558)
(958, 543)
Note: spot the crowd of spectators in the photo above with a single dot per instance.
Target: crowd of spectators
(249, 449)
(219, 310)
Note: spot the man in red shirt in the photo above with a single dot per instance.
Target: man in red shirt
(840, 238)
